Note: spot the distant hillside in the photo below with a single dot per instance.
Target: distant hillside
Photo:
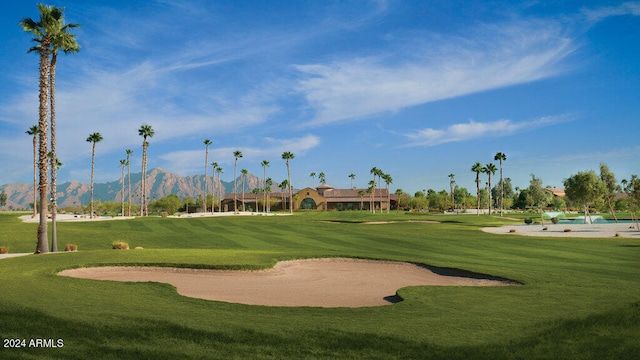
(160, 183)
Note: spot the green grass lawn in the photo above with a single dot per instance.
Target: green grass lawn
(580, 299)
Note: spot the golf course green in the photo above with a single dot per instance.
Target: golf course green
(579, 299)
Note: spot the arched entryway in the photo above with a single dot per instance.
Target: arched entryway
(308, 204)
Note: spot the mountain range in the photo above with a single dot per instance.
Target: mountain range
(159, 182)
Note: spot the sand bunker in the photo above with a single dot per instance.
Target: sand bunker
(315, 282)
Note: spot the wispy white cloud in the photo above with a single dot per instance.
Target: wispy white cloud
(187, 162)
(475, 130)
(594, 15)
(498, 56)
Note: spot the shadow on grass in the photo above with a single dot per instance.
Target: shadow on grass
(596, 337)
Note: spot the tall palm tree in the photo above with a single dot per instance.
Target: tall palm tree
(283, 186)
(380, 173)
(33, 131)
(265, 165)
(207, 142)
(44, 31)
(214, 167)
(129, 153)
(361, 195)
(388, 180)
(370, 190)
(452, 183)
(146, 131)
(323, 178)
(477, 168)
(123, 164)
(237, 154)
(313, 178)
(490, 169)
(65, 41)
(93, 139)
(352, 176)
(374, 171)
(267, 189)
(244, 173)
(501, 157)
(287, 155)
(221, 190)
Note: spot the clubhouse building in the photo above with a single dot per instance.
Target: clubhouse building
(324, 197)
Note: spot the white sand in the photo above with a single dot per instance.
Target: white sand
(314, 282)
(577, 230)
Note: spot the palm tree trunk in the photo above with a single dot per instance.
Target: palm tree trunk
(244, 178)
(43, 241)
(501, 191)
(129, 186)
(93, 156)
(290, 188)
(35, 178)
(123, 193)
(235, 201)
(54, 159)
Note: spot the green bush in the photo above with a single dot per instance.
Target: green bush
(120, 245)
(554, 220)
(528, 220)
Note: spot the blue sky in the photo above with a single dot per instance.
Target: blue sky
(420, 89)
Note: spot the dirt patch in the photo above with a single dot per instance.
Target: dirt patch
(332, 282)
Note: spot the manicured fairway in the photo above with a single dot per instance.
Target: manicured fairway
(580, 299)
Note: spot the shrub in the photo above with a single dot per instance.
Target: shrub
(164, 214)
(138, 248)
(528, 220)
(70, 247)
(120, 245)
(554, 220)
(512, 230)
(567, 230)
(545, 228)
(3, 250)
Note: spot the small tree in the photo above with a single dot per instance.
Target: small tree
(537, 196)
(611, 187)
(585, 188)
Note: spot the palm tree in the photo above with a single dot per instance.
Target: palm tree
(287, 155)
(207, 142)
(352, 176)
(388, 180)
(370, 190)
(265, 165)
(146, 131)
(221, 190)
(477, 168)
(123, 164)
(237, 154)
(283, 186)
(313, 178)
(501, 157)
(94, 139)
(490, 169)
(214, 167)
(65, 41)
(267, 189)
(33, 131)
(129, 153)
(374, 171)
(44, 31)
(361, 195)
(452, 183)
(244, 173)
(323, 178)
